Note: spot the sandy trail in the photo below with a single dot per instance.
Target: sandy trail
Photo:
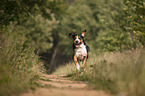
(59, 85)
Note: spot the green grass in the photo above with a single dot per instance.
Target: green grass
(66, 69)
(19, 66)
(119, 72)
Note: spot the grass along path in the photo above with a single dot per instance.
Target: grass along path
(60, 85)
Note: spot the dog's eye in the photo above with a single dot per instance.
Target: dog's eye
(79, 38)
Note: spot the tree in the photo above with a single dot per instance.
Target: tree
(35, 18)
(39, 30)
(17, 10)
(99, 18)
(134, 20)
(79, 18)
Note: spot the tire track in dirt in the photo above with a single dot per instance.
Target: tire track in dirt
(60, 85)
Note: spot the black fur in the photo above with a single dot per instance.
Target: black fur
(73, 35)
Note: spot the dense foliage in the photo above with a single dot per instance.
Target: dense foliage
(134, 18)
(17, 10)
(25, 30)
(112, 25)
(42, 26)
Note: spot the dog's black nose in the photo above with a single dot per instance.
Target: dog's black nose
(77, 41)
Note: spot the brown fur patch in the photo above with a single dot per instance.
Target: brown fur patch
(83, 34)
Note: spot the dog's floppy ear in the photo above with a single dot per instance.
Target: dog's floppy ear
(71, 34)
(83, 33)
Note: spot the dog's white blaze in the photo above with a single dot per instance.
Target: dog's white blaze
(81, 51)
(77, 39)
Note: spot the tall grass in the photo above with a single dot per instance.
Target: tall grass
(66, 69)
(121, 72)
(19, 66)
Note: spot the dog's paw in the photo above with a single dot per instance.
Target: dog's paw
(78, 67)
(82, 67)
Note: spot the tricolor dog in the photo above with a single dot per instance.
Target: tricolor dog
(80, 49)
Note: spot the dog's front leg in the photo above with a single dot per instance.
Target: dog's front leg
(84, 62)
(76, 62)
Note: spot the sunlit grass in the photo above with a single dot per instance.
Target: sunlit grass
(66, 69)
(120, 72)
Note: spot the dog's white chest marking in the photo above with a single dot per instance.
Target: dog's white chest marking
(81, 51)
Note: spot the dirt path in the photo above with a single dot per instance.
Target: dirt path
(59, 85)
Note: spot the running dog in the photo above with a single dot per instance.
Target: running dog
(80, 49)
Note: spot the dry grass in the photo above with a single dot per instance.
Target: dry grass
(120, 72)
(66, 69)
(19, 66)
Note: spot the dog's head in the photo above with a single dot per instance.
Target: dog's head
(78, 39)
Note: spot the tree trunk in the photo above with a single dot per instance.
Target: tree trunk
(52, 64)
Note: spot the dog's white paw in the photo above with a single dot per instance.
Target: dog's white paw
(78, 67)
